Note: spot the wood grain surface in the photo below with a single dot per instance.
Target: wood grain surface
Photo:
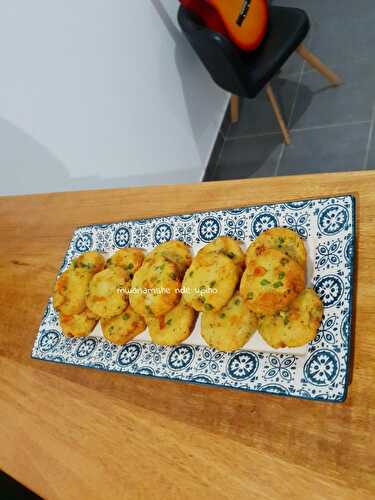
(74, 433)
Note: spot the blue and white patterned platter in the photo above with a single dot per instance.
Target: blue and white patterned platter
(320, 371)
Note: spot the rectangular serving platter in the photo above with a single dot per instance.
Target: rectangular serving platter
(317, 371)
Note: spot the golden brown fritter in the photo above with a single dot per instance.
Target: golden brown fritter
(155, 287)
(92, 262)
(297, 325)
(278, 238)
(210, 281)
(78, 325)
(106, 295)
(129, 259)
(231, 327)
(174, 327)
(122, 328)
(70, 291)
(271, 282)
(227, 246)
(175, 251)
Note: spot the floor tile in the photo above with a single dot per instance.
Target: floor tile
(257, 116)
(323, 104)
(249, 157)
(344, 31)
(215, 155)
(371, 160)
(294, 64)
(331, 149)
(370, 164)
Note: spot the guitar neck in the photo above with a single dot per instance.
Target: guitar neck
(243, 13)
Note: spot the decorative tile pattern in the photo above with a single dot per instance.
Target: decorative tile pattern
(328, 225)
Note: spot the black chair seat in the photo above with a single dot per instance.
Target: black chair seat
(246, 73)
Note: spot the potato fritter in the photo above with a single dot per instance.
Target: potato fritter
(174, 327)
(129, 259)
(227, 246)
(175, 251)
(123, 327)
(106, 295)
(210, 281)
(231, 327)
(297, 325)
(271, 282)
(78, 325)
(278, 238)
(91, 261)
(70, 291)
(155, 287)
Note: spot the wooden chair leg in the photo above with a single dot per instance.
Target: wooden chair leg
(275, 106)
(234, 108)
(319, 66)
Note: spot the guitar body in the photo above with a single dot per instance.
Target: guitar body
(250, 34)
(207, 13)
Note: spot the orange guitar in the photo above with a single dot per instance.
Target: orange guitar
(245, 20)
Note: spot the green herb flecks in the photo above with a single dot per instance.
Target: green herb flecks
(265, 282)
(278, 284)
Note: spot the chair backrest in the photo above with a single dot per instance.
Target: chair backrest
(220, 56)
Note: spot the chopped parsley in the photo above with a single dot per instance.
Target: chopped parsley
(278, 284)
(265, 282)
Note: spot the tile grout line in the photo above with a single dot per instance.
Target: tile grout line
(218, 159)
(276, 171)
(302, 129)
(282, 150)
(302, 71)
(368, 146)
(331, 125)
(297, 92)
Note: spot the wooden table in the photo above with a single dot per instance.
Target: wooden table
(73, 433)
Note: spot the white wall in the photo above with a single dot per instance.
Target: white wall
(101, 93)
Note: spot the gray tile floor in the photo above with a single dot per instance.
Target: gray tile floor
(332, 129)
